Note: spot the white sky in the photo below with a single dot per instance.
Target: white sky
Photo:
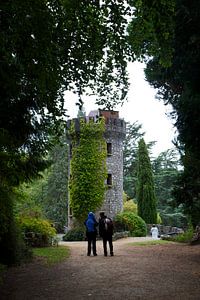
(141, 106)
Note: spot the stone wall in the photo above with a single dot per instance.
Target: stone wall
(114, 134)
(164, 229)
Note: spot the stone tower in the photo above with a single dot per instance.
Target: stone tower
(114, 135)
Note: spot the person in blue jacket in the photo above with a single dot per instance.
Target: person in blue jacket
(91, 233)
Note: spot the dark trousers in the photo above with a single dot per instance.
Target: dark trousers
(107, 238)
(91, 237)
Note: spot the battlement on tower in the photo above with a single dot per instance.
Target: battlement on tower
(114, 125)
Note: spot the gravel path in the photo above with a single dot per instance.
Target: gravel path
(170, 271)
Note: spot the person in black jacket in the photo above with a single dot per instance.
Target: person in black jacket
(106, 232)
(91, 233)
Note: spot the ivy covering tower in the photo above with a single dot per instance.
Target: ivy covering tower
(145, 186)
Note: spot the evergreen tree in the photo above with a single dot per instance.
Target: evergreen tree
(133, 134)
(145, 186)
(55, 193)
(48, 195)
(166, 168)
(168, 31)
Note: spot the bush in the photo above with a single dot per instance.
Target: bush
(37, 232)
(185, 237)
(120, 235)
(130, 206)
(128, 221)
(159, 220)
(75, 234)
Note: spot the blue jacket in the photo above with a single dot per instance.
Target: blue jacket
(91, 223)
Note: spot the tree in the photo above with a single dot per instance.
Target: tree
(133, 134)
(55, 193)
(46, 48)
(166, 168)
(145, 194)
(177, 81)
(151, 29)
(130, 149)
(48, 196)
(88, 168)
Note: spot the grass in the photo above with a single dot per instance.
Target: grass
(52, 255)
(3, 268)
(185, 237)
(150, 243)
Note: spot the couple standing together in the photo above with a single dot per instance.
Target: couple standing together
(105, 231)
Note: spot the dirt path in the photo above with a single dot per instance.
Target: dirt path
(169, 271)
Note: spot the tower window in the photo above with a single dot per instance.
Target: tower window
(109, 179)
(109, 149)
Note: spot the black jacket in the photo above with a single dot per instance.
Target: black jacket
(102, 230)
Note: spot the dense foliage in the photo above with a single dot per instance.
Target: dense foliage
(179, 86)
(151, 30)
(166, 168)
(36, 231)
(47, 196)
(133, 134)
(47, 47)
(55, 192)
(145, 194)
(177, 81)
(128, 221)
(75, 234)
(88, 167)
(130, 206)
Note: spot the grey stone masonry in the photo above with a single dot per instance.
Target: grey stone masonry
(114, 135)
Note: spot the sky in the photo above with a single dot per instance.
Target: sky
(141, 106)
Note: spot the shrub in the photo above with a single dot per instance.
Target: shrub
(130, 206)
(120, 235)
(185, 237)
(37, 232)
(75, 234)
(159, 220)
(129, 221)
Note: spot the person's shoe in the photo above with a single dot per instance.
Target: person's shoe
(105, 254)
(88, 254)
(95, 254)
(111, 254)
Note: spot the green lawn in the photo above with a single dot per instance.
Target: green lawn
(52, 255)
(150, 243)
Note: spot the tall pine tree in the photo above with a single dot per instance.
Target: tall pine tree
(145, 186)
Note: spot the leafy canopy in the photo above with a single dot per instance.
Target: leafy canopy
(46, 48)
(178, 85)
